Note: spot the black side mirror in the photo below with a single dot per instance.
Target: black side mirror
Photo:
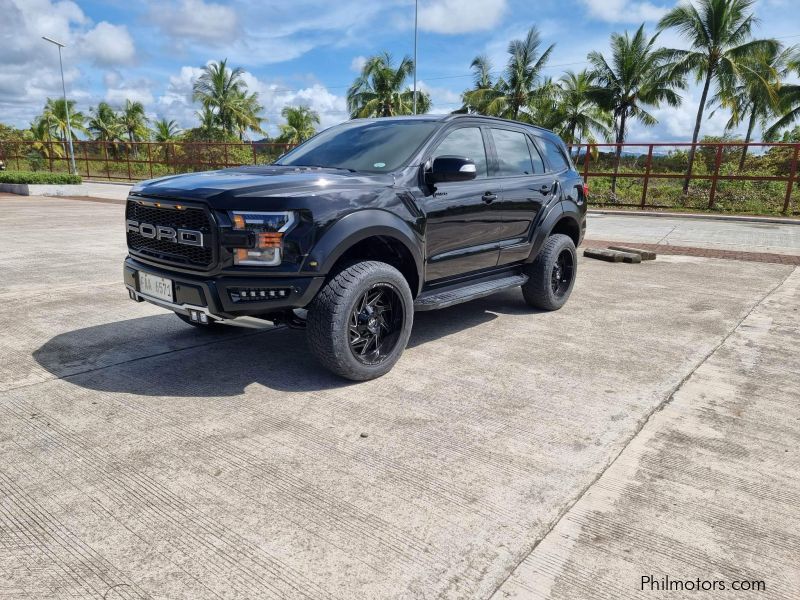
(451, 168)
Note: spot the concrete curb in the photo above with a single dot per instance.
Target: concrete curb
(672, 215)
(25, 189)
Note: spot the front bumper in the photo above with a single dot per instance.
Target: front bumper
(223, 297)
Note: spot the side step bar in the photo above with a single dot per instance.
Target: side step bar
(448, 297)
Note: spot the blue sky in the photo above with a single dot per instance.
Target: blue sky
(308, 51)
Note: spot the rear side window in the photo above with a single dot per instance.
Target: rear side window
(468, 143)
(538, 163)
(513, 155)
(555, 156)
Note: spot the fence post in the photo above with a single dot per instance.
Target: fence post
(586, 163)
(717, 161)
(150, 158)
(86, 159)
(105, 152)
(647, 174)
(128, 156)
(792, 176)
(255, 159)
(225, 156)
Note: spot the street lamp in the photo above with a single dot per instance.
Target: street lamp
(416, 13)
(66, 105)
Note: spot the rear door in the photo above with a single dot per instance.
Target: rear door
(526, 189)
(462, 226)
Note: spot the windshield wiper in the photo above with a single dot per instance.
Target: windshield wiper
(325, 167)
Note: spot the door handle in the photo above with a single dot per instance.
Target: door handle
(544, 188)
(489, 197)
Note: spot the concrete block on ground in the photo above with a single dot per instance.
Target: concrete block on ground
(645, 254)
(612, 255)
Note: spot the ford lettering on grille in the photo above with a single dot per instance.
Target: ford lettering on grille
(187, 237)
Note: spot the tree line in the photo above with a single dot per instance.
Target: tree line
(739, 73)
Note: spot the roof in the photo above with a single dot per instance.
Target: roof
(452, 117)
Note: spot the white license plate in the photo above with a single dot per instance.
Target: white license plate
(157, 287)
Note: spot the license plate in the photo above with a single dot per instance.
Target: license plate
(157, 287)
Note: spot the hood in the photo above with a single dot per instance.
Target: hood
(259, 182)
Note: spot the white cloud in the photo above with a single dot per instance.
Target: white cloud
(461, 16)
(107, 44)
(197, 20)
(623, 11)
(137, 90)
(358, 63)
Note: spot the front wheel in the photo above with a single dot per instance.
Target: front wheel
(552, 274)
(360, 321)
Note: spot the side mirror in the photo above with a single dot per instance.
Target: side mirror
(451, 168)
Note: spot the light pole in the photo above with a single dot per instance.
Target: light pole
(416, 14)
(66, 105)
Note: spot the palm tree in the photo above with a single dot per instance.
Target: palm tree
(635, 78)
(380, 90)
(55, 113)
(245, 113)
(578, 116)
(719, 32)
(208, 122)
(300, 124)
(134, 121)
(219, 89)
(476, 102)
(519, 84)
(41, 134)
(165, 131)
(105, 124)
(754, 98)
(788, 99)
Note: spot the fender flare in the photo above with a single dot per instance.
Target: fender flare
(358, 226)
(562, 210)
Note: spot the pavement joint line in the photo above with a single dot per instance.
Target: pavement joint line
(642, 424)
(138, 358)
(674, 227)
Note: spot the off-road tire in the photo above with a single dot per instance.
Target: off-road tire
(330, 313)
(538, 290)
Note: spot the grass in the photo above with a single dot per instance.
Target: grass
(38, 177)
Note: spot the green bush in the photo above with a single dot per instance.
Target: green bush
(38, 177)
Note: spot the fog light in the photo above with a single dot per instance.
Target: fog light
(204, 318)
(194, 316)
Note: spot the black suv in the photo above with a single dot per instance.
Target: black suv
(356, 229)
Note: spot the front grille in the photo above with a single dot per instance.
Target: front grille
(195, 219)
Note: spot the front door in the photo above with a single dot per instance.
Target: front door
(462, 226)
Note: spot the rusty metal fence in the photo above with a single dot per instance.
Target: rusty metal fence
(726, 176)
(126, 161)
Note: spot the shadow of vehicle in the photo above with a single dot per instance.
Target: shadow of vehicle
(161, 356)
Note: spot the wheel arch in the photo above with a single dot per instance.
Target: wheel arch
(370, 235)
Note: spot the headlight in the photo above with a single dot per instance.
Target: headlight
(269, 229)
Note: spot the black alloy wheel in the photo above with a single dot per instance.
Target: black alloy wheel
(375, 324)
(563, 270)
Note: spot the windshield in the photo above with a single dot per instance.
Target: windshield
(372, 146)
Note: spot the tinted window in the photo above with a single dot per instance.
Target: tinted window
(538, 163)
(512, 153)
(554, 156)
(468, 143)
(374, 146)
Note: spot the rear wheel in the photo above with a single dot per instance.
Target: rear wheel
(552, 274)
(360, 321)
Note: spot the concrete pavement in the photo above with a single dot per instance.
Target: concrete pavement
(694, 232)
(140, 458)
